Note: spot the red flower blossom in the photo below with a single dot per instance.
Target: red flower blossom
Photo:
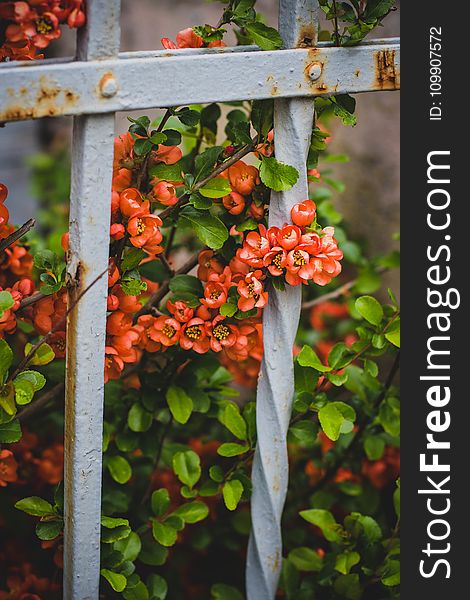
(166, 330)
(194, 336)
(8, 467)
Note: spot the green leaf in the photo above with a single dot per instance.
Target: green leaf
(228, 309)
(325, 521)
(135, 592)
(6, 358)
(187, 467)
(308, 358)
(230, 416)
(276, 175)
(142, 146)
(205, 162)
(117, 581)
(167, 172)
(152, 553)
(262, 114)
(10, 432)
(336, 418)
(119, 469)
(267, 38)
(232, 449)
(374, 447)
(49, 530)
(7, 399)
(346, 561)
(157, 587)
(43, 355)
(188, 116)
(180, 404)
(216, 473)
(186, 284)
(377, 9)
(222, 591)
(24, 391)
(164, 534)
(304, 433)
(192, 512)
(391, 573)
(138, 418)
(370, 309)
(306, 559)
(393, 333)
(6, 302)
(113, 522)
(232, 492)
(35, 506)
(348, 586)
(216, 188)
(160, 502)
(37, 380)
(129, 547)
(208, 228)
(158, 138)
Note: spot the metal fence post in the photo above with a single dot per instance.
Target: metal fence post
(92, 163)
(292, 131)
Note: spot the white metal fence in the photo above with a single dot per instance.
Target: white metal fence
(101, 81)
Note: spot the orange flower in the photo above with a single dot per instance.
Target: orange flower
(113, 364)
(251, 292)
(194, 336)
(243, 178)
(50, 466)
(303, 213)
(132, 204)
(208, 264)
(168, 155)
(166, 330)
(180, 311)
(147, 342)
(215, 294)
(234, 203)
(145, 233)
(8, 467)
(165, 193)
(221, 334)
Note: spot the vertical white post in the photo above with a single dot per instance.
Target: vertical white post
(92, 163)
(292, 131)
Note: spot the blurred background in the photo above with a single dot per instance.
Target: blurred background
(36, 153)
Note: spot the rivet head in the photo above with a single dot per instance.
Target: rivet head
(108, 86)
(314, 70)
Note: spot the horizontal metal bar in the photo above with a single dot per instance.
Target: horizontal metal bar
(177, 78)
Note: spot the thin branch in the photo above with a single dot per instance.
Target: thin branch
(161, 443)
(36, 407)
(16, 235)
(163, 290)
(56, 327)
(336, 23)
(31, 300)
(341, 291)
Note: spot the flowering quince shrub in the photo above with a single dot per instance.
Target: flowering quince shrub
(192, 263)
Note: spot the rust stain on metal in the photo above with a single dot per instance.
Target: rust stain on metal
(357, 72)
(307, 35)
(387, 76)
(50, 101)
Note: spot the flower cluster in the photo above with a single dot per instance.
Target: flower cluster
(34, 24)
(296, 252)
